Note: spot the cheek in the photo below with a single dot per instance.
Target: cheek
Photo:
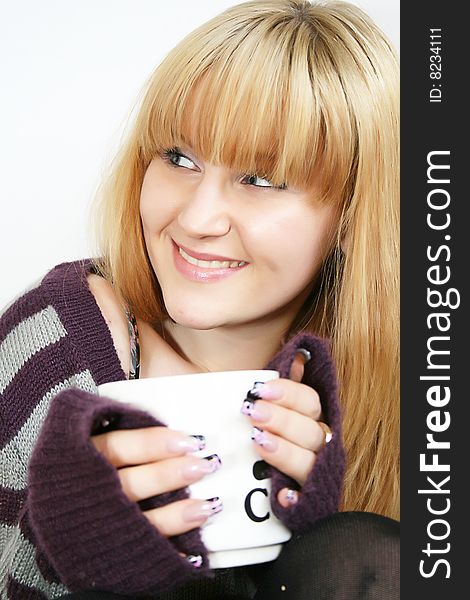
(295, 245)
(147, 201)
(155, 211)
(149, 213)
(301, 261)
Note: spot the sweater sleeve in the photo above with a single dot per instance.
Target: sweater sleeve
(321, 493)
(92, 534)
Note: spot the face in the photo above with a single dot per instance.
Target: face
(229, 248)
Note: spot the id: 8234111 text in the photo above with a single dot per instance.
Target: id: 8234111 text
(435, 65)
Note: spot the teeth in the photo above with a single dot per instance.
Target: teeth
(211, 264)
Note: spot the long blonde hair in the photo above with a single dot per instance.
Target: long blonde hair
(304, 93)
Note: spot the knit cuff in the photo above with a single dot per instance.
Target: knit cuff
(93, 535)
(321, 493)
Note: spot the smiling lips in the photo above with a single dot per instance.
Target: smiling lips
(211, 264)
(204, 267)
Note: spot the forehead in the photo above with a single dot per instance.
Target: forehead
(262, 112)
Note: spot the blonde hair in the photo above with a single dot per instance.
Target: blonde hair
(304, 93)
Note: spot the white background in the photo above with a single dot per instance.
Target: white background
(70, 73)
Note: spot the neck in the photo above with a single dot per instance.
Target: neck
(227, 348)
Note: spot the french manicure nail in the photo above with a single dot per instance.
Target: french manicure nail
(261, 438)
(248, 407)
(253, 393)
(213, 463)
(203, 466)
(192, 443)
(199, 441)
(258, 412)
(264, 391)
(203, 510)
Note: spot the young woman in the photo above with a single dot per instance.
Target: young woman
(251, 215)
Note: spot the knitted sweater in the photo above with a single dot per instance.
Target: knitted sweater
(65, 523)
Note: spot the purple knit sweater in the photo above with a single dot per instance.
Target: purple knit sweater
(65, 524)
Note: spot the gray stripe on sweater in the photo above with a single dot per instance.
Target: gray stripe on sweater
(26, 339)
(18, 560)
(14, 457)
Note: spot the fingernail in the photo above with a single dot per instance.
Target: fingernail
(305, 354)
(264, 391)
(199, 441)
(203, 466)
(292, 497)
(213, 463)
(253, 393)
(258, 412)
(194, 560)
(202, 510)
(192, 443)
(261, 438)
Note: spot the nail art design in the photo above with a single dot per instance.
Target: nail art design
(260, 437)
(253, 393)
(258, 412)
(248, 407)
(190, 443)
(201, 511)
(263, 391)
(292, 497)
(214, 462)
(200, 441)
(195, 560)
(202, 467)
(213, 505)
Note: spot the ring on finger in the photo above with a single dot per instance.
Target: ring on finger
(328, 434)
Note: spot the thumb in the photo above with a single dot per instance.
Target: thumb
(302, 356)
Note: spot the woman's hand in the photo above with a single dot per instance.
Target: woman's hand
(287, 429)
(156, 460)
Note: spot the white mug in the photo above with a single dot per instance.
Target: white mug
(246, 531)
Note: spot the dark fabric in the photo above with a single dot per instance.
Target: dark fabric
(321, 492)
(71, 516)
(71, 509)
(82, 519)
(347, 556)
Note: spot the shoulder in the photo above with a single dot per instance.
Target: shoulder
(61, 307)
(52, 338)
(113, 313)
(60, 287)
(38, 356)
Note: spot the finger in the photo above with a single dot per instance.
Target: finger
(328, 434)
(138, 446)
(182, 516)
(290, 394)
(289, 424)
(195, 560)
(144, 481)
(294, 461)
(287, 497)
(302, 356)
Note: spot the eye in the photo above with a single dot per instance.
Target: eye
(257, 181)
(178, 159)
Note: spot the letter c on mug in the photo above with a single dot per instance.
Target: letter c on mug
(248, 508)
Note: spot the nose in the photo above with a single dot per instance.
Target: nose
(206, 210)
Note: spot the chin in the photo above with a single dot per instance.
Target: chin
(193, 318)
